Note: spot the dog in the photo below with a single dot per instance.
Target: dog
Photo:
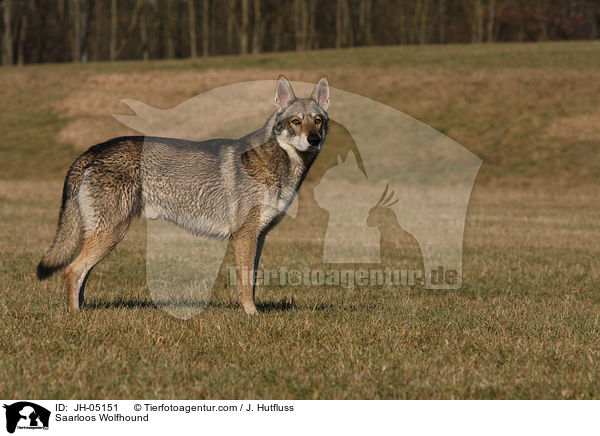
(236, 189)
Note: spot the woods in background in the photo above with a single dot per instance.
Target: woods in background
(98, 30)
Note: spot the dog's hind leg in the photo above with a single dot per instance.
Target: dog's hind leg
(95, 247)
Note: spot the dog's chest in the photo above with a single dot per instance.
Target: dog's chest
(276, 200)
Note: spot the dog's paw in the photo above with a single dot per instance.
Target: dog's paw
(250, 309)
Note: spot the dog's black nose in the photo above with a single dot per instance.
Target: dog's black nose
(314, 139)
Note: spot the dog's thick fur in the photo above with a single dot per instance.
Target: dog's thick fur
(222, 188)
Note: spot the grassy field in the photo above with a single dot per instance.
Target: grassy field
(526, 323)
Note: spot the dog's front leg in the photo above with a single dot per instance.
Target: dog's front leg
(244, 251)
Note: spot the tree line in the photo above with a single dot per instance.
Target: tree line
(35, 31)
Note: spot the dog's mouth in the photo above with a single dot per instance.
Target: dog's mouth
(309, 148)
(315, 144)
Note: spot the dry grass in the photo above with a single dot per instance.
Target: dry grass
(525, 324)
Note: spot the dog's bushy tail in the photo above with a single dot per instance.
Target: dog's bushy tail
(69, 234)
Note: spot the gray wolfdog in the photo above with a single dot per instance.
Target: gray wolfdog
(236, 189)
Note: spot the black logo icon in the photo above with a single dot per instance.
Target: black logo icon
(26, 415)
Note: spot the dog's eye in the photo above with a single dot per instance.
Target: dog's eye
(296, 121)
(317, 121)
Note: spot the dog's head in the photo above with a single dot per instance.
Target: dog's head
(301, 122)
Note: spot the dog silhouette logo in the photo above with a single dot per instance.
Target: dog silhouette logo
(26, 415)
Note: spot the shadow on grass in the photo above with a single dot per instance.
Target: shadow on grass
(143, 304)
(119, 303)
(283, 305)
(330, 307)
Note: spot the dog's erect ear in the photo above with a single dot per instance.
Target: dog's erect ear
(284, 94)
(321, 93)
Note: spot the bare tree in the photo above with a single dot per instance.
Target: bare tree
(22, 36)
(256, 31)
(86, 26)
(403, 34)
(369, 22)
(8, 39)
(490, 22)
(192, 28)
(540, 6)
(144, 31)
(339, 35)
(205, 27)
(364, 18)
(477, 22)
(130, 28)
(97, 20)
(592, 16)
(343, 25)
(442, 13)
(169, 27)
(244, 28)
(521, 31)
(75, 30)
(113, 29)
(305, 23)
(423, 22)
(298, 25)
(313, 42)
(348, 32)
(231, 19)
